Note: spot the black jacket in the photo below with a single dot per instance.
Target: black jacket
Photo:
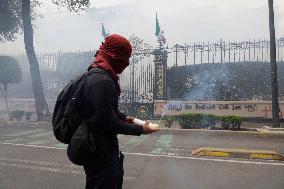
(100, 94)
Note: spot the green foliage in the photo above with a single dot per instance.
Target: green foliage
(72, 5)
(231, 122)
(17, 115)
(10, 71)
(168, 119)
(11, 22)
(28, 115)
(198, 120)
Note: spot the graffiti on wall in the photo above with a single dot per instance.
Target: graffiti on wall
(261, 109)
(267, 111)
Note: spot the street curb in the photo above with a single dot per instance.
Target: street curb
(6, 122)
(185, 132)
(176, 131)
(19, 123)
(238, 153)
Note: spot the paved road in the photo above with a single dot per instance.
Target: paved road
(31, 158)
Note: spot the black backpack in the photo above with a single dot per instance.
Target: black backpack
(67, 115)
(81, 146)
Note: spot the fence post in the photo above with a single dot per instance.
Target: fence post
(221, 50)
(278, 47)
(224, 49)
(262, 53)
(160, 87)
(194, 53)
(229, 48)
(245, 46)
(176, 50)
(201, 53)
(249, 50)
(254, 45)
(185, 53)
(235, 51)
(208, 55)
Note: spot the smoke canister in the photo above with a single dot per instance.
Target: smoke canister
(141, 122)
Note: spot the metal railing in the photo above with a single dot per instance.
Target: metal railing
(256, 50)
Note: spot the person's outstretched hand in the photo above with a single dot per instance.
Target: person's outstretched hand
(129, 119)
(148, 130)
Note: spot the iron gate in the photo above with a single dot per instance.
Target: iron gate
(137, 82)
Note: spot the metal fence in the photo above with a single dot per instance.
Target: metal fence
(68, 62)
(56, 70)
(256, 50)
(136, 80)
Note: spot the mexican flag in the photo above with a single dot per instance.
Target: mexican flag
(104, 33)
(158, 29)
(159, 33)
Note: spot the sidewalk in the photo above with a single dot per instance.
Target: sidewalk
(246, 124)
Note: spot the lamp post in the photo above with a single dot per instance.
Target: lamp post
(274, 82)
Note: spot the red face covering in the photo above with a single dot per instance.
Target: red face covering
(113, 55)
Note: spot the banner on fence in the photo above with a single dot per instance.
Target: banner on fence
(246, 109)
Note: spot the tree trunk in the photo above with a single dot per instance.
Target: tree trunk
(41, 106)
(4, 91)
(274, 82)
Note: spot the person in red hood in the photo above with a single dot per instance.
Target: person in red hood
(104, 167)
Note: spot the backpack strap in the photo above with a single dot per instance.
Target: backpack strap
(100, 70)
(81, 84)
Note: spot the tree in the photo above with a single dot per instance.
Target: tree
(10, 72)
(274, 82)
(16, 17)
(72, 5)
(42, 110)
(10, 20)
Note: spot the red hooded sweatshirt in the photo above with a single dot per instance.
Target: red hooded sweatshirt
(113, 55)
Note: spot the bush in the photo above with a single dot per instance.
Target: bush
(17, 115)
(168, 119)
(231, 122)
(28, 115)
(197, 120)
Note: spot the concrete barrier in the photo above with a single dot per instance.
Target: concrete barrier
(221, 133)
(238, 153)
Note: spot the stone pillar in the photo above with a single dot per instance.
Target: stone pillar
(160, 87)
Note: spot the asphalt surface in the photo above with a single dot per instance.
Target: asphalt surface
(30, 158)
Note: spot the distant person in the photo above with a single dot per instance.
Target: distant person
(104, 168)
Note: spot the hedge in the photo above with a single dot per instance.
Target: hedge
(168, 119)
(199, 120)
(19, 114)
(231, 122)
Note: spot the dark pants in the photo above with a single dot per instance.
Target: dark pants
(104, 171)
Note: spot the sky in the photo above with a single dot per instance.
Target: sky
(167, 6)
(183, 21)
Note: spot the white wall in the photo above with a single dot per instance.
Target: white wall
(246, 109)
